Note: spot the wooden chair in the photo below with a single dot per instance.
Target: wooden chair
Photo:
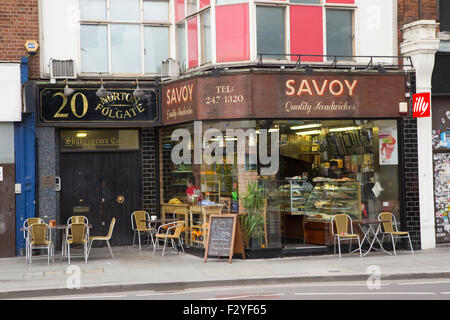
(103, 238)
(26, 234)
(41, 238)
(173, 232)
(342, 231)
(388, 222)
(77, 234)
(140, 226)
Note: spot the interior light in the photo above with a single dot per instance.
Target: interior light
(81, 135)
(344, 129)
(306, 126)
(302, 133)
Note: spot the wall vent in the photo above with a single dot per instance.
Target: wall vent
(62, 69)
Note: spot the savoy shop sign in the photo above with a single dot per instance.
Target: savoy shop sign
(119, 107)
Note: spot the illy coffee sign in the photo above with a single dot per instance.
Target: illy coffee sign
(421, 105)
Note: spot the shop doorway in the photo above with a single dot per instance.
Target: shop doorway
(101, 186)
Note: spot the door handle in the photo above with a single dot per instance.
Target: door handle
(57, 184)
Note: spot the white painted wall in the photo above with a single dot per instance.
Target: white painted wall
(11, 92)
(376, 29)
(60, 32)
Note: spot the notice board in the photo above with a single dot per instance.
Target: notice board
(224, 237)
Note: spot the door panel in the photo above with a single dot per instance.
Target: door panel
(92, 182)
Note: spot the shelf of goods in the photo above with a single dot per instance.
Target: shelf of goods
(327, 199)
(199, 217)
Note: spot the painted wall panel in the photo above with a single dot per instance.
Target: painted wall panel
(60, 32)
(10, 91)
(232, 34)
(179, 10)
(341, 1)
(306, 24)
(204, 3)
(192, 42)
(376, 29)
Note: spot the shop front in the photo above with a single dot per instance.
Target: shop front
(315, 145)
(92, 154)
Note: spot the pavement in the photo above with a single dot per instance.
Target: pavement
(134, 270)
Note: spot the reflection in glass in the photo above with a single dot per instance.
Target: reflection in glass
(206, 36)
(124, 10)
(94, 48)
(339, 33)
(93, 9)
(125, 48)
(156, 40)
(270, 30)
(156, 10)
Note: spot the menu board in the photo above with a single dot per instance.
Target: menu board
(222, 238)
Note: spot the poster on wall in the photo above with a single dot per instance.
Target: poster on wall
(442, 196)
(388, 145)
(441, 124)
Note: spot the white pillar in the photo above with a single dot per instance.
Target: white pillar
(420, 43)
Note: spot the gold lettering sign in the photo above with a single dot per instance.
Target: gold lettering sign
(99, 140)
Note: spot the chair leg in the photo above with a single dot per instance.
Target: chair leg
(339, 246)
(393, 244)
(89, 247)
(134, 237)
(334, 244)
(164, 248)
(359, 244)
(410, 244)
(85, 252)
(181, 244)
(350, 250)
(110, 250)
(68, 252)
(139, 240)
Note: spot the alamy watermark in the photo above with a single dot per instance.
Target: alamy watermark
(374, 280)
(212, 147)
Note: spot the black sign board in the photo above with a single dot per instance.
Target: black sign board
(224, 237)
(119, 106)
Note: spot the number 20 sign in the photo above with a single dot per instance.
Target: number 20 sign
(85, 106)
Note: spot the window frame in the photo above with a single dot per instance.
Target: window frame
(141, 23)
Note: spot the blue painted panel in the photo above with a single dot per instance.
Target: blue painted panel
(25, 174)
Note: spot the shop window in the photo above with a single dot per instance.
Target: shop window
(205, 20)
(326, 167)
(126, 37)
(270, 31)
(339, 26)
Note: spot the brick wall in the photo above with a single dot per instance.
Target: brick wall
(19, 22)
(149, 170)
(411, 210)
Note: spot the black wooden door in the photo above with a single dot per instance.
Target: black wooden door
(100, 186)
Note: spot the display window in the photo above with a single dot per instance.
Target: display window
(318, 168)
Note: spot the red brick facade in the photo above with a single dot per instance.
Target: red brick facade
(19, 22)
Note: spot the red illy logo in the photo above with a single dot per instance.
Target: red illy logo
(421, 104)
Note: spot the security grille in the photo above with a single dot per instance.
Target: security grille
(62, 69)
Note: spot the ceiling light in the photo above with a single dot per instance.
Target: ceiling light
(312, 132)
(81, 135)
(344, 129)
(306, 126)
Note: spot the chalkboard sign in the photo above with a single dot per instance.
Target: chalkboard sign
(224, 237)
